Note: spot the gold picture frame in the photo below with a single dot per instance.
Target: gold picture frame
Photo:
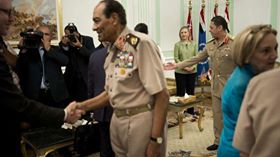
(33, 13)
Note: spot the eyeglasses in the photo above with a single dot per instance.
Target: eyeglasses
(8, 12)
(48, 34)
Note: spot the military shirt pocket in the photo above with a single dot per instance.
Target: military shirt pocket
(123, 73)
(225, 55)
(211, 52)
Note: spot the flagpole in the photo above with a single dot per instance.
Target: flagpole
(202, 67)
(203, 4)
(216, 8)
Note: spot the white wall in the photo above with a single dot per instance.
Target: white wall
(169, 24)
(249, 12)
(80, 13)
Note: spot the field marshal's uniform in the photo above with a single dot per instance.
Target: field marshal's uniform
(134, 73)
(222, 66)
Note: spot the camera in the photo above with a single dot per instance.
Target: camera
(72, 28)
(72, 38)
(31, 39)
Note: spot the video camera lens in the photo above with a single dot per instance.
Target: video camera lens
(31, 39)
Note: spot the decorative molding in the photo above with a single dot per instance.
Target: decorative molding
(183, 14)
(158, 22)
(274, 13)
(231, 16)
(60, 15)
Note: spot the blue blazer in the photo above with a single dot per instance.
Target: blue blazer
(96, 82)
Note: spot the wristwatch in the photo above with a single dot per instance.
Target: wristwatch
(158, 140)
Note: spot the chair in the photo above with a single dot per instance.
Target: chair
(203, 90)
(171, 86)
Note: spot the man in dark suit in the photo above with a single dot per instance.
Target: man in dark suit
(78, 48)
(14, 106)
(40, 74)
(96, 83)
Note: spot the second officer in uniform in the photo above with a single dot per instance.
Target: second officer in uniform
(220, 53)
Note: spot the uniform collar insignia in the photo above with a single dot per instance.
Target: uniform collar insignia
(226, 40)
(120, 42)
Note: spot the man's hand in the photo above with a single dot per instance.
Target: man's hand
(73, 113)
(77, 44)
(153, 149)
(65, 40)
(169, 66)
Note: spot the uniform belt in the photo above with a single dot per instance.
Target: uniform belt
(133, 111)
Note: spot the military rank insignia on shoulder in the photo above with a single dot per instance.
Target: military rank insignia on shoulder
(209, 41)
(228, 39)
(132, 40)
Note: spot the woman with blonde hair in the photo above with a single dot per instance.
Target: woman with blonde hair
(254, 51)
(185, 77)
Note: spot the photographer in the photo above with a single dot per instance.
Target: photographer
(78, 48)
(39, 68)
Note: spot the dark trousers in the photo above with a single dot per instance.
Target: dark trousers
(185, 83)
(105, 142)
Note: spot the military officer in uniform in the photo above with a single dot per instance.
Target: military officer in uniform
(220, 53)
(135, 85)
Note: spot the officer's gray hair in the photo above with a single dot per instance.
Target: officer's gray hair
(246, 42)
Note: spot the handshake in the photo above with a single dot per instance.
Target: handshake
(73, 112)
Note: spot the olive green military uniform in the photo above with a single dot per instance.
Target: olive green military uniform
(134, 73)
(222, 66)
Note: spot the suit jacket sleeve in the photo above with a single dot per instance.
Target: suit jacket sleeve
(57, 55)
(13, 101)
(88, 46)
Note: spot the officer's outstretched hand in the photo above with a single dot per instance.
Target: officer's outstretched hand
(169, 66)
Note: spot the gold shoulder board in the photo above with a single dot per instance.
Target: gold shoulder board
(132, 40)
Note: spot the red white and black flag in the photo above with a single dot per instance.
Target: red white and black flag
(189, 22)
(227, 12)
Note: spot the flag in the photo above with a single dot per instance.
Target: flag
(189, 23)
(202, 67)
(216, 10)
(227, 13)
